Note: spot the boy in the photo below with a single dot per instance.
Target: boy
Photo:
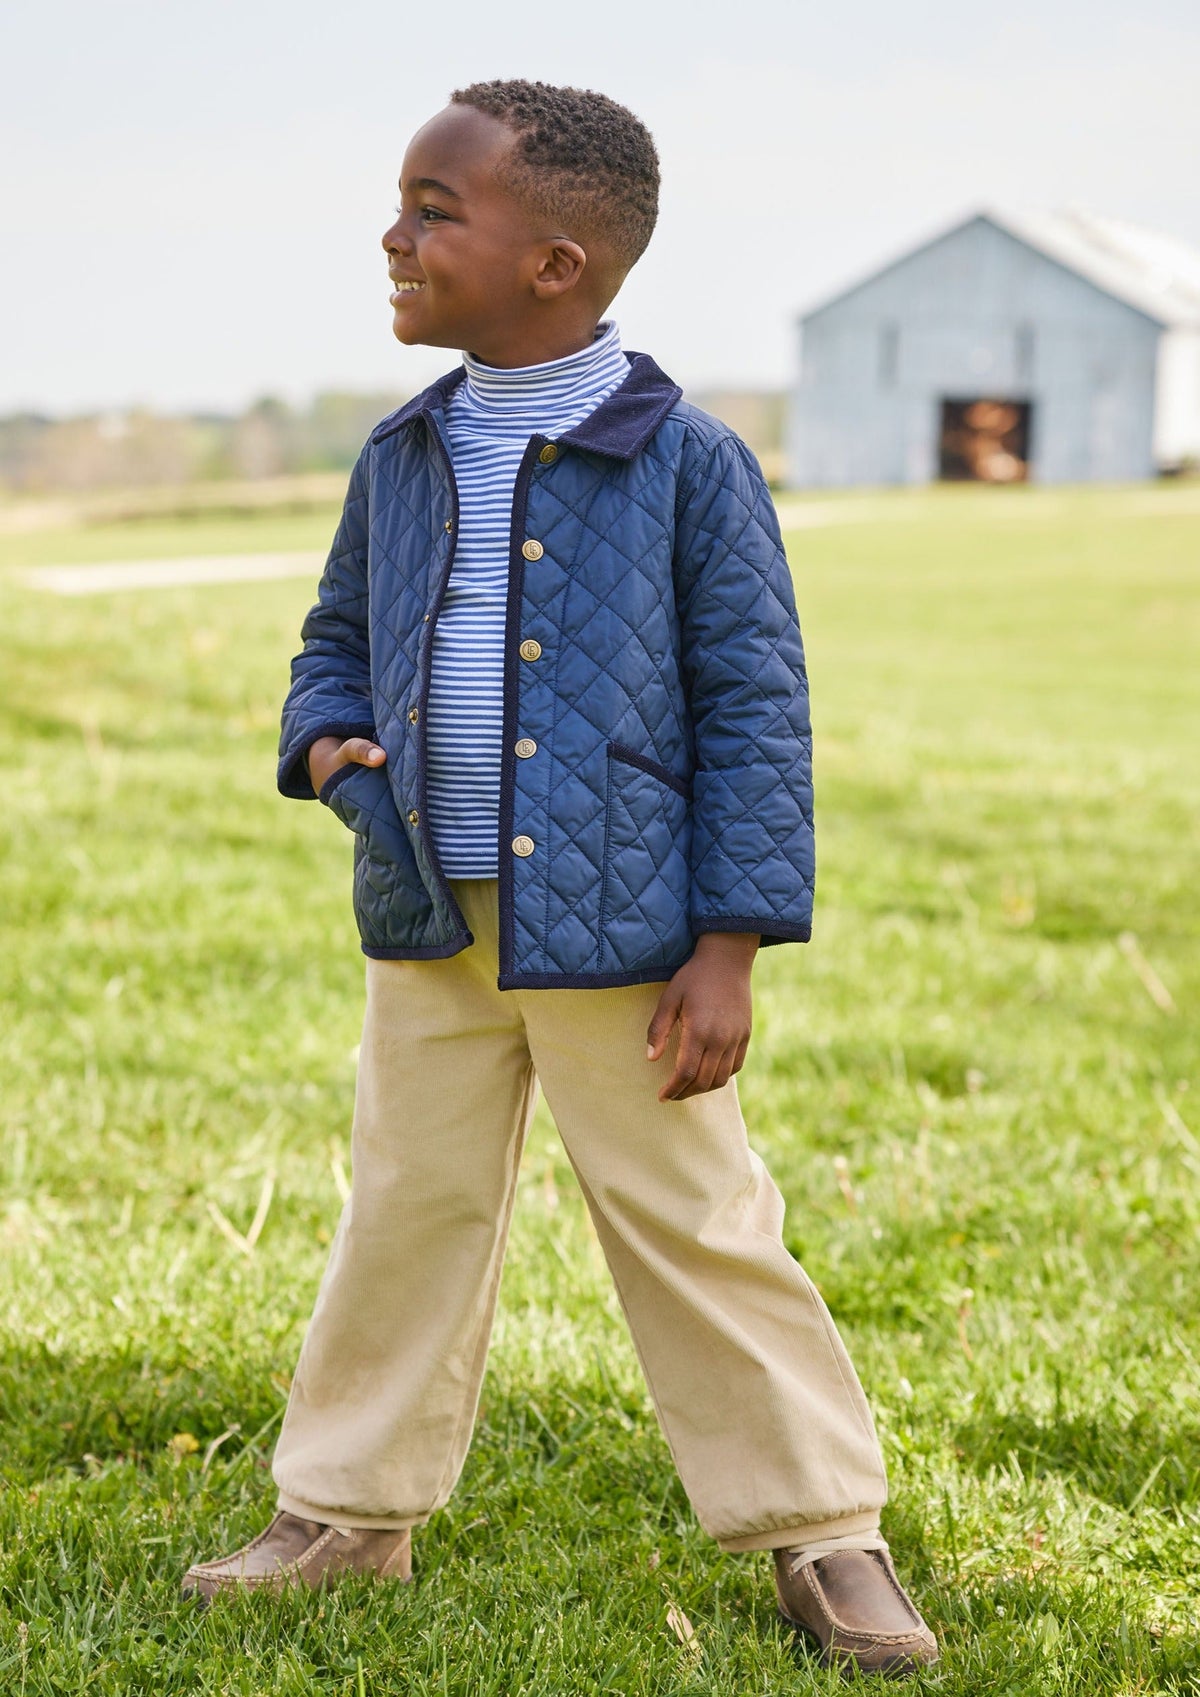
(555, 685)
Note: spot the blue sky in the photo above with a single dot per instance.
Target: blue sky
(197, 190)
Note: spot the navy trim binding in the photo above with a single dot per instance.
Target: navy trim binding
(293, 775)
(620, 427)
(423, 844)
(512, 690)
(630, 757)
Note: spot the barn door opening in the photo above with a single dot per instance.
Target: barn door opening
(984, 441)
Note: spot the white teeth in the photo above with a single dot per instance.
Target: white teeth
(408, 288)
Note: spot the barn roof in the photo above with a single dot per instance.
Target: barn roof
(1152, 272)
(1156, 274)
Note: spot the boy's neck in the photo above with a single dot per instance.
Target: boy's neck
(538, 346)
(481, 371)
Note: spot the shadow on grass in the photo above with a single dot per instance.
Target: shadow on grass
(72, 1412)
(61, 1410)
(1053, 1631)
(1130, 1462)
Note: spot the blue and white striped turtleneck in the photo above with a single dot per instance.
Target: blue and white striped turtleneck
(489, 419)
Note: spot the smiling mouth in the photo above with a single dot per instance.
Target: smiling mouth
(405, 287)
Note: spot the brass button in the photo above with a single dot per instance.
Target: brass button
(526, 747)
(532, 550)
(523, 846)
(425, 620)
(548, 454)
(531, 649)
(414, 818)
(449, 524)
(414, 713)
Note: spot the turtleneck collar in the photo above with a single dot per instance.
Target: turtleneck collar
(511, 390)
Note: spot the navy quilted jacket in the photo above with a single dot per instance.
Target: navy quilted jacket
(653, 659)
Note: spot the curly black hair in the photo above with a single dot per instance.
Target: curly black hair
(580, 159)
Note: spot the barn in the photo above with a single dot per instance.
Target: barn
(1058, 347)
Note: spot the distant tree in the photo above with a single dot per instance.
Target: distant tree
(264, 440)
(19, 434)
(337, 425)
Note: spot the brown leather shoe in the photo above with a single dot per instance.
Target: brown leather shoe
(853, 1605)
(302, 1552)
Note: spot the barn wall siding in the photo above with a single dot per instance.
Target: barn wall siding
(975, 313)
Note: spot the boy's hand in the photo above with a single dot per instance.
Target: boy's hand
(710, 998)
(328, 753)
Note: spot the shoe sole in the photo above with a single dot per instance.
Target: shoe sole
(902, 1667)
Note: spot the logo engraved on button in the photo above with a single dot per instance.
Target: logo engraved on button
(548, 454)
(526, 747)
(414, 818)
(531, 649)
(532, 550)
(523, 846)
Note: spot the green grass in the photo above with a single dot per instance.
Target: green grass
(987, 1130)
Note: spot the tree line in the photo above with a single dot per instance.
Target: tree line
(140, 447)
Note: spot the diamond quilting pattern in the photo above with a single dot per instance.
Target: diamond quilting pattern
(666, 616)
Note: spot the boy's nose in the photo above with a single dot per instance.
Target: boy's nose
(395, 241)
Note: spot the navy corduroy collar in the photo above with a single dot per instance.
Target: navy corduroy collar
(619, 427)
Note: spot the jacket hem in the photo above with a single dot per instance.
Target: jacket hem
(431, 951)
(585, 980)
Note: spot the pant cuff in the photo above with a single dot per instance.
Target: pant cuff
(337, 1517)
(805, 1532)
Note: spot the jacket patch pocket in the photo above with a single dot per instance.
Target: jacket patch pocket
(361, 796)
(644, 895)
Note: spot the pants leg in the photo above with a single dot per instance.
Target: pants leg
(385, 1393)
(757, 1397)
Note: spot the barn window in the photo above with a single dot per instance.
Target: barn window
(889, 355)
(1024, 352)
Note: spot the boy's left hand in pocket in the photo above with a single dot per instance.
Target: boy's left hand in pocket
(709, 999)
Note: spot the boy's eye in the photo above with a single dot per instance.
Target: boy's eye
(427, 214)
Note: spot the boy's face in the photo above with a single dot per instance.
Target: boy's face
(467, 260)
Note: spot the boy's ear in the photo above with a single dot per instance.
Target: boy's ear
(560, 265)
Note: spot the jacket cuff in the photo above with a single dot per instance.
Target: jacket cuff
(770, 930)
(292, 775)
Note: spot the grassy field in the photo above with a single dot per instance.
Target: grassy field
(978, 1089)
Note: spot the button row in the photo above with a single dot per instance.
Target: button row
(525, 747)
(523, 846)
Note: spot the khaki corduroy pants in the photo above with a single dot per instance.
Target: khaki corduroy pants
(756, 1395)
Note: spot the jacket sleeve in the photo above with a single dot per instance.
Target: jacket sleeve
(753, 861)
(330, 694)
